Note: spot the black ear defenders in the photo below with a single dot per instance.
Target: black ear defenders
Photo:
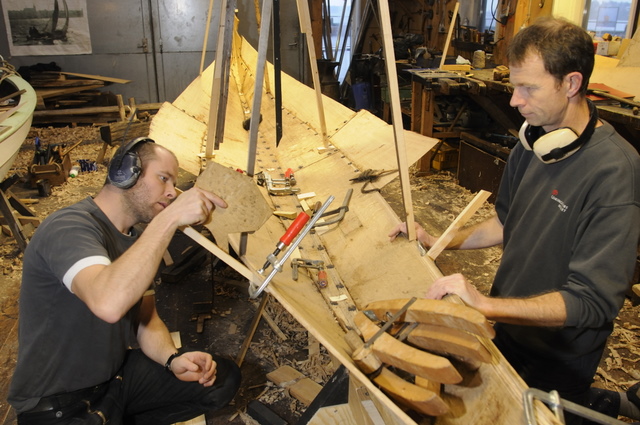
(560, 143)
(126, 167)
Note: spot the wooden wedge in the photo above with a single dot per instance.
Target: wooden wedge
(418, 398)
(435, 387)
(437, 312)
(449, 341)
(396, 353)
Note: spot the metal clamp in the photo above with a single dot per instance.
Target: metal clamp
(558, 406)
(277, 187)
(338, 212)
(277, 265)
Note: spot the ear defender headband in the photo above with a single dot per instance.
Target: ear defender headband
(125, 167)
(560, 143)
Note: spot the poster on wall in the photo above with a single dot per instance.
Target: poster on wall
(47, 27)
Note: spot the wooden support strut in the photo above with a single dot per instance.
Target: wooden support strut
(457, 224)
(305, 27)
(396, 114)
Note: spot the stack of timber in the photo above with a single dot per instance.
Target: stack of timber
(68, 97)
(363, 267)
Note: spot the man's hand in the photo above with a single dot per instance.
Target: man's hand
(423, 237)
(194, 206)
(457, 284)
(195, 366)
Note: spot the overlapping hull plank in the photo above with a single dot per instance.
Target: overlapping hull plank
(360, 257)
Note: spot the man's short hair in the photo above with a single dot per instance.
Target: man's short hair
(563, 46)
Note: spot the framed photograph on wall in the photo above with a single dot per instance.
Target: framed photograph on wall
(47, 27)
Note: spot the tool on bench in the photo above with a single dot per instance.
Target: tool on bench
(278, 187)
(310, 264)
(277, 263)
(338, 212)
(370, 176)
(285, 240)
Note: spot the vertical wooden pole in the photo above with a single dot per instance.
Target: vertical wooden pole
(396, 114)
(216, 89)
(227, 41)
(267, 6)
(206, 36)
(451, 27)
(305, 27)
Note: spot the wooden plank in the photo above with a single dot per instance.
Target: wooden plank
(331, 415)
(267, 6)
(206, 36)
(218, 90)
(226, 258)
(393, 352)
(437, 312)
(362, 406)
(97, 77)
(396, 114)
(284, 376)
(12, 95)
(65, 91)
(305, 390)
(305, 27)
(449, 33)
(299, 386)
(91, 110)
(457, 224)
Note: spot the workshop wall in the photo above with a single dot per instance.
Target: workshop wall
(157, 44)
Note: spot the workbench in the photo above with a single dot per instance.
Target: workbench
(484, 143)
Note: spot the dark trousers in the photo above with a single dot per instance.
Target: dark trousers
(571, 380)
(141, 393)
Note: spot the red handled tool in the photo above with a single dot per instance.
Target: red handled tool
(286, 239)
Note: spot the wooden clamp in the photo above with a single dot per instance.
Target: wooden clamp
(422, 396)
(393, 352)
(438, 312)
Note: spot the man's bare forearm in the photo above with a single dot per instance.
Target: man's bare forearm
(110, 291)
(482, 235)
(548, 310)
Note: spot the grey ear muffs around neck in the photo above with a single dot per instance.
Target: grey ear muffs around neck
(557, 144)
(125, 167)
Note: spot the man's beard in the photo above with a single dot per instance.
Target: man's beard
(138, 203)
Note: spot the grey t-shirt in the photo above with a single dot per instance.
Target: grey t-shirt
(63, 346)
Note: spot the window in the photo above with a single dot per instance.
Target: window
(612, 17)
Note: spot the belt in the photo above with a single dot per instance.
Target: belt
(62, 400)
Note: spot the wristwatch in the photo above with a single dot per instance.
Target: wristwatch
(167, 365)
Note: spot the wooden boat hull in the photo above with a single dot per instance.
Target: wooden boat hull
(17, 122)
(363, 266)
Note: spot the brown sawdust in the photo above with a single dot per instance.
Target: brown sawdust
(437, 201)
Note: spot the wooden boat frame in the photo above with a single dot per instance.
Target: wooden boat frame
(362, 265)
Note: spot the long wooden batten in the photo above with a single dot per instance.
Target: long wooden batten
(363, 267)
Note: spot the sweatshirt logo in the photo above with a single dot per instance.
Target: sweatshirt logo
(561, 205)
